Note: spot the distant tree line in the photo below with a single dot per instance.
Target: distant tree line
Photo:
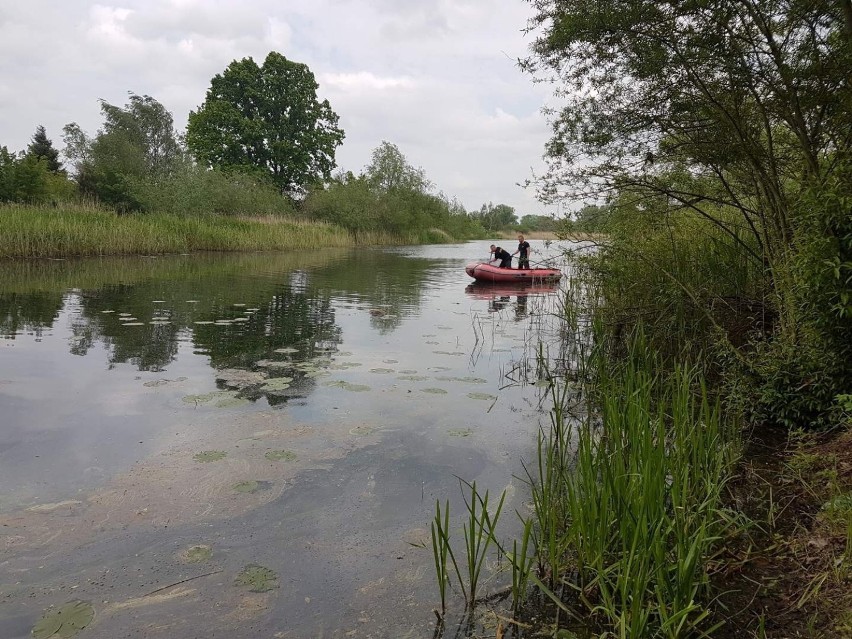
(261, 143)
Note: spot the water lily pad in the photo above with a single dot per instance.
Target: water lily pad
(277, 384)
(435, 391)
(158, 301)
(198, 554)
(408, 371)
(210, 456)
(271, 363)
(204, 398)
(355, 388)
(281, 455)
(381, 370)
(444, 328)
(460, 432)
(433, 343)
(250, 486)
(344, 365)
(231, 402)
(466, 380)
(204, 322)
(413, 378)
(162, 382)
(258, 578)
(192, 301)
(239, 378)
(454, 353)
(438, 369)
(240, 305)
(134, 324)
(125, 314)
(65, 621)
(317, 373)
(107, 311)
(286, 350)
(484, 396)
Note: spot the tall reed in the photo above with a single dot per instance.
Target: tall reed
(73, 230)
(638, 515)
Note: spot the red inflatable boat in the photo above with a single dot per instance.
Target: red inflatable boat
(484, 272)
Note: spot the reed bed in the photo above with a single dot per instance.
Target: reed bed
(628, 511)
(32, 232)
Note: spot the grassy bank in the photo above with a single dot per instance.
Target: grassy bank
(79, 231)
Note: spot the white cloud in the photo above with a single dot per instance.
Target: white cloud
(436, 77)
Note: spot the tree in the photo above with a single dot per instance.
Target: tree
(267, 120)
(494, 218)
(136, 143)
(735, 105)
(389, 171)
(145, 128)
(538, 223)
(42, 147)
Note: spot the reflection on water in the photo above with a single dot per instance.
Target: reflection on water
(298, 412)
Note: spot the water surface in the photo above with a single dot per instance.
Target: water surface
(165, 422)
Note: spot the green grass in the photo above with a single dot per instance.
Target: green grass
(33, 232)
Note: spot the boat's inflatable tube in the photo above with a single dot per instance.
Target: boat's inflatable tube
(484, 272)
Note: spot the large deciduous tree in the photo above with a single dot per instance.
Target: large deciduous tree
(389, 171)
(137, 143)
(267, 120)
(740, 104)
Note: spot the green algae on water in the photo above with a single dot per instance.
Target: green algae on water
(250, 486)
(281, 455)
(65, 621)
(206, 456)
(198, 554)
(257, 578)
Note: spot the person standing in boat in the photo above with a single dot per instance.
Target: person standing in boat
(503, 255)
(523, 252)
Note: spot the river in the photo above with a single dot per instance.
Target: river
(166, 422)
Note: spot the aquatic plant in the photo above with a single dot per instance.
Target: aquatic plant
(479, 534)
(248, 486)
(257, 578)
(65, 621)
(198, 554)
(210, 456)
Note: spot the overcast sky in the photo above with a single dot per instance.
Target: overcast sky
(438, 78)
